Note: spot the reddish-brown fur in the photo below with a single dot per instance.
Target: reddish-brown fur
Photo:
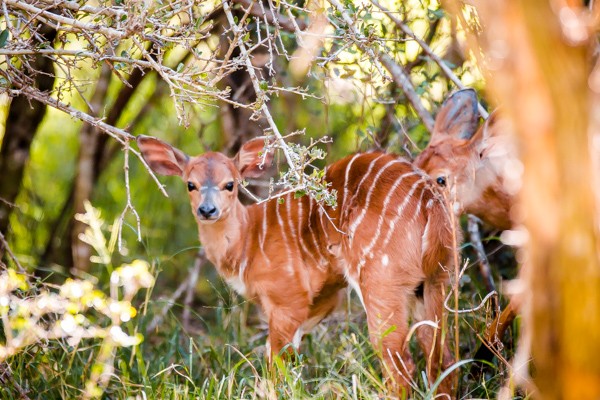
(290, 258)
(476, 164)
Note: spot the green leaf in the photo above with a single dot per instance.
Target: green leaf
(180, 67)
(435, 14)
(299, 194)
(281, 200)
(3, 38)
(433, 388)
(388, 331)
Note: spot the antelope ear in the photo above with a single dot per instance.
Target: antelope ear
(494, 131)
(458, 116)
(496, 125)
(162, 158)
(252, 159)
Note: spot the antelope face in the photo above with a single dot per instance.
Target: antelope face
(452, 164)
(212, 178)
(212, 182)
(472, 164)
(450, 156)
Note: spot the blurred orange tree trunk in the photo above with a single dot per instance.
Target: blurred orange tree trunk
(538, 55)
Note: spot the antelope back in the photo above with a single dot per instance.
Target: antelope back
(385, 209)
(476, 166)
(382, 201)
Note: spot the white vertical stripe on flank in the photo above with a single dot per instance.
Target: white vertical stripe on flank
(283, 234)
(261, 240)
(300, 239)
(357, 190)
(382, 215)
(264, 226)
(288, 208)
(425, 237)
(409, 196)
(312, 233)
(399, 211)
(419, 204)
(347, 174)
(363, 212)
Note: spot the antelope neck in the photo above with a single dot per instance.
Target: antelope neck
(225, 240)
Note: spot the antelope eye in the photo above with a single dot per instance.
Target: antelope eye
(441, 180)
(191, 186)
(229, 186)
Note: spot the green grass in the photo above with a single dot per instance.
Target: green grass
(222, 357)
(220, 353)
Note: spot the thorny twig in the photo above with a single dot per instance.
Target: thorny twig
(296, 168)
(129, 206)
(260, 94)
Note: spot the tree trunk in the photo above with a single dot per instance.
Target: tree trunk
(24, 117)
(541, 75)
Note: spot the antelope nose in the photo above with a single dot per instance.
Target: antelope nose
(207, 210)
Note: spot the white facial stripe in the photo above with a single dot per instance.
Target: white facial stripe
(212, 188)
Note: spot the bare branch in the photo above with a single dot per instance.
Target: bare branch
(484, 265)
(118, 134)
(399, 76)
(289, 24)
(443, 66)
